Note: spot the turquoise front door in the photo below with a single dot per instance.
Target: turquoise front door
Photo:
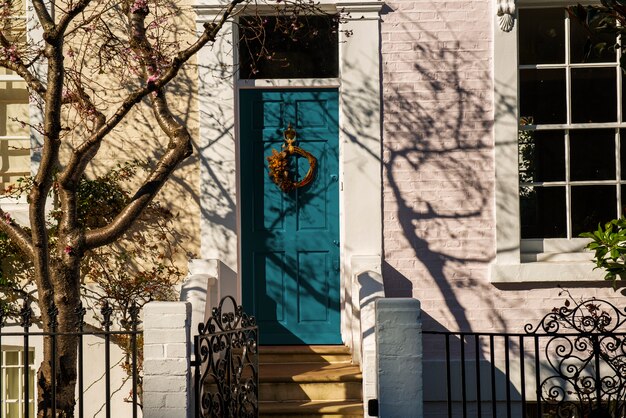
(290, 241)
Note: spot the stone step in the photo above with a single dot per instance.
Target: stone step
(309, 372)
(305, 354)
(309, 381)
(306, 391)
(311, 409)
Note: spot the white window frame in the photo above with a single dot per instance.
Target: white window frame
(536, 260)
(4, 401)
(18, 208)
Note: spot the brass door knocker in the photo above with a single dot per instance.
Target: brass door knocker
(279, 163)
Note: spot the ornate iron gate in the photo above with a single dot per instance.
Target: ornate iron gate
(226, 363)
(572, 364)
(585, 350)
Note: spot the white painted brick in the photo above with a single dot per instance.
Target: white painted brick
(167, 367)
(155, 400)
(164, 412)
(176, 400)
(168, 384)
(153, 351)
(170, 321)
(177, 351)
(160, 336)
(165, 308)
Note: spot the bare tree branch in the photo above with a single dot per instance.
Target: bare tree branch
(180, 139)
(20, 68)
(16, 233)
(70, 15)
(43, 15)
(87, 150)
(143, 196)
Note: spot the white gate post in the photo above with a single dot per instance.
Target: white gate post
(167, 355)
(399, 361)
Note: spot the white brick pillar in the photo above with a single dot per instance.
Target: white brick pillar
(399, 345)
(167, 354)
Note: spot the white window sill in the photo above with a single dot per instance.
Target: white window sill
(556, 271)
(549, 261)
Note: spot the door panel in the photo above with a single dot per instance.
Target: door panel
(290, 241)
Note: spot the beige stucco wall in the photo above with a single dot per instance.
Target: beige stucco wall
(140, 137)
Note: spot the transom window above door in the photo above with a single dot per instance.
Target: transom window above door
(572, 135)
(296, 46)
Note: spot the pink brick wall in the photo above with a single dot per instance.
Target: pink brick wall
(438, 151)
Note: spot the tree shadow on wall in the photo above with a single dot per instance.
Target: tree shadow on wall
(437, 166)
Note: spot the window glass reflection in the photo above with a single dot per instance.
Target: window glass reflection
(592, 154)
(542, 36)
(541, 156)
(542, 96)
(592, 205)
(543, 212)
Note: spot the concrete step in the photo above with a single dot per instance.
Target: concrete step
(305, 354)
(309, 381)
(305, 391)
(312, 409)
(309, 372)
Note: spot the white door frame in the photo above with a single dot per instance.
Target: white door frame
(360, 149)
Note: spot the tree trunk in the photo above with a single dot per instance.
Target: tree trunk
(57, 375)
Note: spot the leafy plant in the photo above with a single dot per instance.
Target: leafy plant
(609, 246)
(135, 270)
(139, 268)
(604, 23)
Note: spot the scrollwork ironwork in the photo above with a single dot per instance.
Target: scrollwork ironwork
(226, 350)
(585, 359)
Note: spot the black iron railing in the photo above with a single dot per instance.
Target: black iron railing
(226, 364)
(570, 365)
(20, 327)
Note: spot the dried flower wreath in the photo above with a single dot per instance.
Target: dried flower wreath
(279, 163)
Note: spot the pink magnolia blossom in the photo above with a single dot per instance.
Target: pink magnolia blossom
(139, 6)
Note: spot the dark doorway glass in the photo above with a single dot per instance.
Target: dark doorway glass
(289, 47)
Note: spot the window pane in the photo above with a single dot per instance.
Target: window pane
(580, 37)
(13, 410)
(592, 205)
(14, 118)
(306, 47)
(622, 135)
(543, 212)
(594, 95)
(542, 96)
(542, 36)
(12, 358)
(541, 156)
(13, 382)
(592, 154)
(31, 384)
